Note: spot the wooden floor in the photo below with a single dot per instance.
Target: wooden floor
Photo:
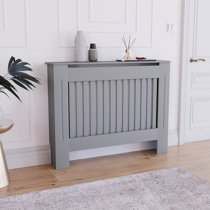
(194, 157)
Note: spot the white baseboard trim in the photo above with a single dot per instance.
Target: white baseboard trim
(40, 155)
(173, 138)
(29, 156)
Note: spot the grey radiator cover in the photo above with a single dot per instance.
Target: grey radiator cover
(106, 103)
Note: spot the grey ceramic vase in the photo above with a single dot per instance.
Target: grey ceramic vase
(80, 47)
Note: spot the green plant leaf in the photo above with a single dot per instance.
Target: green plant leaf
(19, 84)
(19, 67)
(7, 85)
(29, 77)
(15, 63)
(26, 82)
(17, 74)
(12, 59)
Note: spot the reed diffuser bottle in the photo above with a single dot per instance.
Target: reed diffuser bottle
(128, 55)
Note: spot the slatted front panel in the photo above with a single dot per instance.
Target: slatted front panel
(112, 106)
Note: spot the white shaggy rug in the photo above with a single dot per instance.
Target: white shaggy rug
(173, 188)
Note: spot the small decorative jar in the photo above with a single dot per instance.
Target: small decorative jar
(93, 53)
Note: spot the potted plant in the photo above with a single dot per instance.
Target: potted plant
(17, 76)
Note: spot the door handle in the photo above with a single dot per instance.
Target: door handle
(197, 60)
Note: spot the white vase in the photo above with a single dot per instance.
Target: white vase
(80, 46)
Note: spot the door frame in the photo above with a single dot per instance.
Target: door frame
(184, 56)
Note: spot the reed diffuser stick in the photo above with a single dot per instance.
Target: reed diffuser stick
(124, 41)
(129, 41)
(132, 43)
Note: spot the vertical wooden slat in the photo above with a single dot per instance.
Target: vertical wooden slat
(86, 107)
(72, 109)
(119, 106)
(113, 106)
(93, 107)
(149, 103)
(99, 107)
(143, 104)
(106, 107)
(131, 104)
(65, 110)
(137, 104)
(79, 104)
(125, 105)
(154, 104)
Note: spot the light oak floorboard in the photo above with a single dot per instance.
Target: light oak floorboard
(194, 157)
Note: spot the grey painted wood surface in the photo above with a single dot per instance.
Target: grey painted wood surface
(105, 104)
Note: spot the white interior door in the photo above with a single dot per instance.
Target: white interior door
(197, 121)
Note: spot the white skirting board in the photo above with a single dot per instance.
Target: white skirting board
(29, 156)
(40, 155)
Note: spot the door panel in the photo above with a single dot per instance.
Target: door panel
(202, 31)
(198, 84)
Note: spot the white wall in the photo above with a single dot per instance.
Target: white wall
(43, 30)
